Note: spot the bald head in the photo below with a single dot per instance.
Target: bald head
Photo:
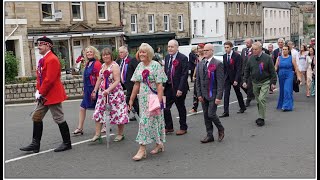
(208, 51)
(248, 42)
(173, 46)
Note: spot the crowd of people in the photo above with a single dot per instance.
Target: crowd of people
(152, 87)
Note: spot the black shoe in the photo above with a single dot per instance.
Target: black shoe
(224, 115)
(133, 119)
(207, 139)
(248, 103)
(260, 122)
(37, 133)
(241, 111)
(64, 130)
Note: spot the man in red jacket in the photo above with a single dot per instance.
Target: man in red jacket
(50, 94)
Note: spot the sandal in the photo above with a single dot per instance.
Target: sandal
(78, 131)
(119, 138)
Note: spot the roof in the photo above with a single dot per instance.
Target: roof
(279, 5)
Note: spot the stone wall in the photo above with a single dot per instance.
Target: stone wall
(23, 93)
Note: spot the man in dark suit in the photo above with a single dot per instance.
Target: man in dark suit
(277, 52)
(246, 54)
(176, 88)
(192, 61)
(211, 96)
(232, 73)
(127, 68)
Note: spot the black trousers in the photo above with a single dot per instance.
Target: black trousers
(210, 115)
(227, 89)
(195, 97)
(191, 74)
(180, 103)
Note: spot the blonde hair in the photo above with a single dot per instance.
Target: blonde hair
(95, 52)
(147, 48)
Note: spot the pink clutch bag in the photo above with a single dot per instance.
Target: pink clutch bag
(154, 105)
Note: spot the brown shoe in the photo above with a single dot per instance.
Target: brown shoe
(221, 135)
(181, 132)
(169, 130)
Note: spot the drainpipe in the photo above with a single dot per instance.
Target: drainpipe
(17, 25)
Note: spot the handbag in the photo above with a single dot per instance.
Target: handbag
(154, 106)
(295, 83)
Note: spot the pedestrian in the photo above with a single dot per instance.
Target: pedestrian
(210, 82)
(148, 79)
(90, 76)
(176, 87)
(293, 52)
(260, 67)
(232, 74)
(286, 64)
(246, 54)
(277, 52)
(270, 49)
(110, 92)
(159, 56)
(311, 63)
(200, 56)
(50, 94)
(127, 67)
(303, 62)
(192, 61)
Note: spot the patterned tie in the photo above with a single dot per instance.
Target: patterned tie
(121, 68)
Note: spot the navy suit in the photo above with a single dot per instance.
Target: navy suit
(179, 82)
(275, 55)
(232, 72)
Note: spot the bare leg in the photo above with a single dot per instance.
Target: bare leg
(141, 153)
(82, 116)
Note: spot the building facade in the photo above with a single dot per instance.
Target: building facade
(155, 23)
(294, 35)
(276, 21)
(207, 22)
(309, 19)
(72, 26)
(243, 20)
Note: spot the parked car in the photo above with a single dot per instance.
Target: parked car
(218, 50)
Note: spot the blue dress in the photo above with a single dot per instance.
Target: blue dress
(87, 102)
(285, 101)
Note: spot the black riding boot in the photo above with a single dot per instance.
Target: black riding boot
(64, 130)
(36, 138)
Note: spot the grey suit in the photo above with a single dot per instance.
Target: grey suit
(209, 107)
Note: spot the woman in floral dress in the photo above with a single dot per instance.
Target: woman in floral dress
(151, 127)
(112, 89)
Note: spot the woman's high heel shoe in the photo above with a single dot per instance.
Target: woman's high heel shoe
(97, 137)
(159, 148)
(138, 156)
(78, 131)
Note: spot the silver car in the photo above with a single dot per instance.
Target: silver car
(218, 52)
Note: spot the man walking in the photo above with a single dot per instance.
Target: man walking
(260, 67)
(176, 88)
(210, 81)
(232, 73)
(50, 94)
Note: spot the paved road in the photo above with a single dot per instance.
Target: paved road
(283, 148)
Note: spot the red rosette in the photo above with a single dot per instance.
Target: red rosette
(212, 67)
(145, 73)
(106, 74)
(127, 61)
(175, 63)
(231, 61)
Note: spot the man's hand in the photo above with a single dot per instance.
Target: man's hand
(244, 85)
(179, 93)
(273, 87)
(200, 99)
(218, 101)
(235, 83)
(37, 95)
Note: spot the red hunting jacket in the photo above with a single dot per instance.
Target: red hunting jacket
(51, 87)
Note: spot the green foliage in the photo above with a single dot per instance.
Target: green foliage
(11, 66)
(115, 54)
(62, 61)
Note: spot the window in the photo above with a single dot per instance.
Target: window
(245, 29)
(102, 11)
(217, 26)
(230, 30)
(258, 10)
(251, 8)
(274, 15)
(238, 30)
(151, 22)
(280, 14)
(275, 31)
(288, 14)
(271, 14)
(245, 6)
(134, 28)
(238, 8)
(266, 32)
(203, 27)
(180, 21)
(279, 31)
(252, 29)
(166, 22)
(229, 8)
(266, 14)
(258, 29)
(284, 14)
(47, 11)
(195, 27)
(270, 31)
(288, 30)
(216, 4)
(284, 31)
(77, 13)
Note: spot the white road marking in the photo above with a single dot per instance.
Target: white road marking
(33, 104)
(46, 151)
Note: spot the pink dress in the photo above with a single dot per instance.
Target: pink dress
(119, 108)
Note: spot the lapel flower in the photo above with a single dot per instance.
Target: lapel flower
(145, 73)
(127, 60)
(40, 63)
(106, 74)
(175, 63)
(231, 61)
(211, 67)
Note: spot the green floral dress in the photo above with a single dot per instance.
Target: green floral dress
(151, 128)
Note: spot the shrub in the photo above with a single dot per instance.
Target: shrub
(11, 66)
(62, 60)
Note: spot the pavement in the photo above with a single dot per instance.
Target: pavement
(284, 148)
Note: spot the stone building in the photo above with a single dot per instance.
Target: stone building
(243, 20)
(71, 25)
(155, 23)
(294, 21)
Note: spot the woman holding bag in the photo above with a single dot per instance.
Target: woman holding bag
(148, 78)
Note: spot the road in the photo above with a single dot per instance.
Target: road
(284, 148)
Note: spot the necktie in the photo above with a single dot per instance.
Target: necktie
(121, 69)
(205, 68)
(247, 52)
(228, 58)
(170, 65)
